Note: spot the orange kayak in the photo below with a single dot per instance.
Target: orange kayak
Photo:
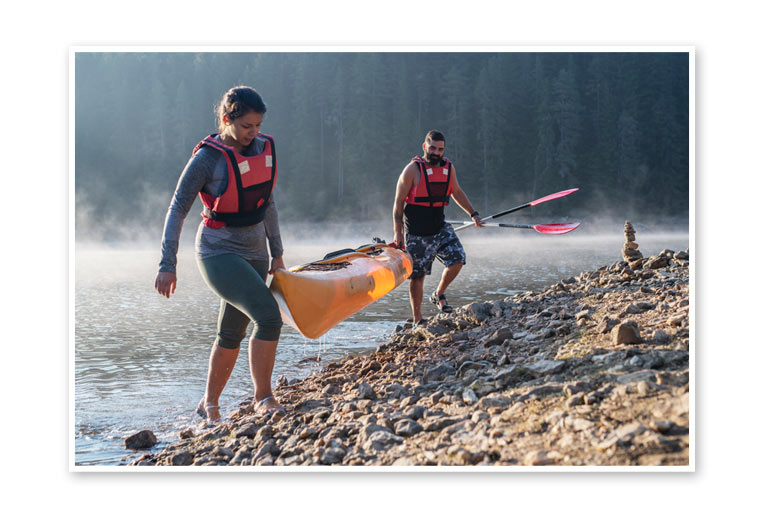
(315, 297)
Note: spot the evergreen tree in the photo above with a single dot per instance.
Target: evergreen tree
(566, 115)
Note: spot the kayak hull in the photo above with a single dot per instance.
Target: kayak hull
(315, 297)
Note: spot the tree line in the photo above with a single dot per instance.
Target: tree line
(518, 126)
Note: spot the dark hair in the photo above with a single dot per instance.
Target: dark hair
(237, 102)
(434, 135)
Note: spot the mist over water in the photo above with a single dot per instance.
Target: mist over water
(140, 360)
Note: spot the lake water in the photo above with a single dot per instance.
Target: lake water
(140, 360)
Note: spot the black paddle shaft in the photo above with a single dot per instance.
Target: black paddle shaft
(507, 211)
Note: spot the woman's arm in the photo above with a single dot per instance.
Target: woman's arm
(272, 229)
(193, 178)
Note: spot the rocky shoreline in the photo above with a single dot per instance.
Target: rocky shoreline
(592, 371)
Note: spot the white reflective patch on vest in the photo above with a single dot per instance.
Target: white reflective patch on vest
(444, 171)
(268, 161)
(244, 166)
(429, 171)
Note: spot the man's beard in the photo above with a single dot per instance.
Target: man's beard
(433, 159)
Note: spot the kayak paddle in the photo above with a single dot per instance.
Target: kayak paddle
(546, 229)
(554, 196)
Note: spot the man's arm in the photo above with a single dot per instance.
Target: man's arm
(404, 184)
(463, 201)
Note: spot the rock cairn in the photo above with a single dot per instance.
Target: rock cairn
(631, 254)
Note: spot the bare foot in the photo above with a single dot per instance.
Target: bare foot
(208, 412)
(269, 406)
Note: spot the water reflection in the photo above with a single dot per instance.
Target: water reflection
(141, 359)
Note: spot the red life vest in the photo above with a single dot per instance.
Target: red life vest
(435, 185)
(250, 183)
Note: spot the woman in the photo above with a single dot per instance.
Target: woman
(234, 173)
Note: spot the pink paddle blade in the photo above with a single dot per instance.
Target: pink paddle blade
(556, 229)
(554, 196)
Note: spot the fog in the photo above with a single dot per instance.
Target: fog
(324, 237)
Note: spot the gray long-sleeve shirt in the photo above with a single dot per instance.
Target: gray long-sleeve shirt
(207, 171)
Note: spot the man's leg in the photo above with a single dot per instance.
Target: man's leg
(416, 297)
(452, 255)
(423, 250)
(448, 274)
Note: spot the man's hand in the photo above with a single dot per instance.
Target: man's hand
(477, 220)
(399, 241)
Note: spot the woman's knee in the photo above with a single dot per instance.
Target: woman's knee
(268, 325)
(268, 331)
(228, 338)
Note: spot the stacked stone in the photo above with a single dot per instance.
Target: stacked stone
(631, 254)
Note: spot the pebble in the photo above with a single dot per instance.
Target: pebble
(183, 458)
(643, 388)
(661, 426)
(469, 458)
(676, 320)
(332, 455)
(407, 427)
(498, 337)
(546, 367)
(494, 401)
(469, 397)
(579, 424)
(661, 337)
(439, 423)
(381, 440)
(627, 432)
(607, 324)
(438, 373)
(414, 412)
(365, 391)
(222, 451)
(541, 458)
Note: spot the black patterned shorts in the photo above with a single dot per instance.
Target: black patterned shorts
(445, 246)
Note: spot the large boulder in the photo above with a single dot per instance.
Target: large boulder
(626, 333)
(499, 336)
(438, 373)
(141, 440)
(478, 312)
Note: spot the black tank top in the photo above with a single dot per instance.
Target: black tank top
(423, 221)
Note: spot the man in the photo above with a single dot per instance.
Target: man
(423, 190)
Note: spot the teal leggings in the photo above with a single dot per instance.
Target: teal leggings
(244, 298)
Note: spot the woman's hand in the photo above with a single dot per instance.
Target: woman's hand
(277, 264)
(165, 283)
